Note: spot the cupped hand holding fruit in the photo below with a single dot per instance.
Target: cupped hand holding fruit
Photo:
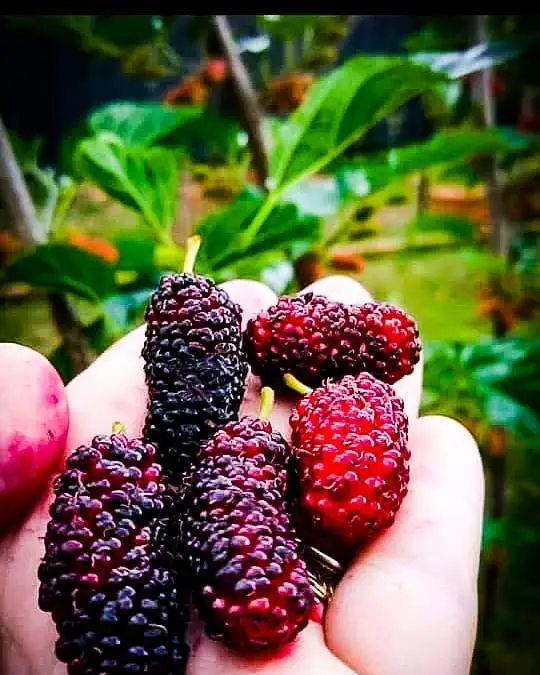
(407, 603)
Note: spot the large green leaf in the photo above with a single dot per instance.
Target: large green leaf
(221, 232)
(59, 267)
(141, 123)
(512, 366)
(338, 110)
(143, 179)
(285, 229)
(450, 146)
(221, 136)
(496, 379)
(135, 253)
(342, 107)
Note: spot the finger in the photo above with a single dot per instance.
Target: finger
(306, 654)
(345, 289)
(408, 603)
(33, 427)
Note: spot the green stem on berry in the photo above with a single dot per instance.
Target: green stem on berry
(118, 428)
(267, 403)
(192, 248)
(328, 562)
(293, 383)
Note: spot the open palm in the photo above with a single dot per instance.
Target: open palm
(407, 605)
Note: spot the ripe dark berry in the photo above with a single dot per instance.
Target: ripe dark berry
(252, 587)
(350, 445)
(314, 339)
(194, 365)
(108, 576)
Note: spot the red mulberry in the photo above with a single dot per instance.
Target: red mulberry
(314, 339)
(350, 445)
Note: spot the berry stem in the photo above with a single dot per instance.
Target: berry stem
(192, 248)
(328, 562)
(267, 403)
(293, 383)
(118, 428)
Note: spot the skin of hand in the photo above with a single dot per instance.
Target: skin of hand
(406, 606)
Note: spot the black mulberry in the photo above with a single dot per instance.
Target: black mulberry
(109, 576)
(194, 365)
(252, 587)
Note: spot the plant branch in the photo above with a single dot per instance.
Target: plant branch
(249, 110)
(22, 218)
(24, 224)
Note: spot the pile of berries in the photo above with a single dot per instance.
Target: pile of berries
(220, 513)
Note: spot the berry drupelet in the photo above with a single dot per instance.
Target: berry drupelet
(194, 365)
(253, 592)
(350, 444)
(108, 576)
(315, 338)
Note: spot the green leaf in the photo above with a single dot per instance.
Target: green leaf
(339, 109)
(285, 229)
(143, 179)
(287, 26)
(508, 370)
(135, 253)
(450, 146)
(222, 136)
(59, 267)
(128, 31)
(221, 232)
(143, 124)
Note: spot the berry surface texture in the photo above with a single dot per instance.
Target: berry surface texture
(350, 443)
(253, 591)
(315, 338)
(108, 576)
(194, 366)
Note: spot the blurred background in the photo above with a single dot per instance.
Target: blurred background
(401, 150)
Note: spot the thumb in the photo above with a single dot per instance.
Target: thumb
(33, 428)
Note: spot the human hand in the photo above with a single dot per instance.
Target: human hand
(406, 606)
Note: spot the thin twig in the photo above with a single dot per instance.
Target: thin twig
(24, 224)
(249, 109)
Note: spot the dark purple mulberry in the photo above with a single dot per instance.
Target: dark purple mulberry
(109, 576)
(194, 365)
(252, 588)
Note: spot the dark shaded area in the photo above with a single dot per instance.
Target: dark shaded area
(48, 86)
